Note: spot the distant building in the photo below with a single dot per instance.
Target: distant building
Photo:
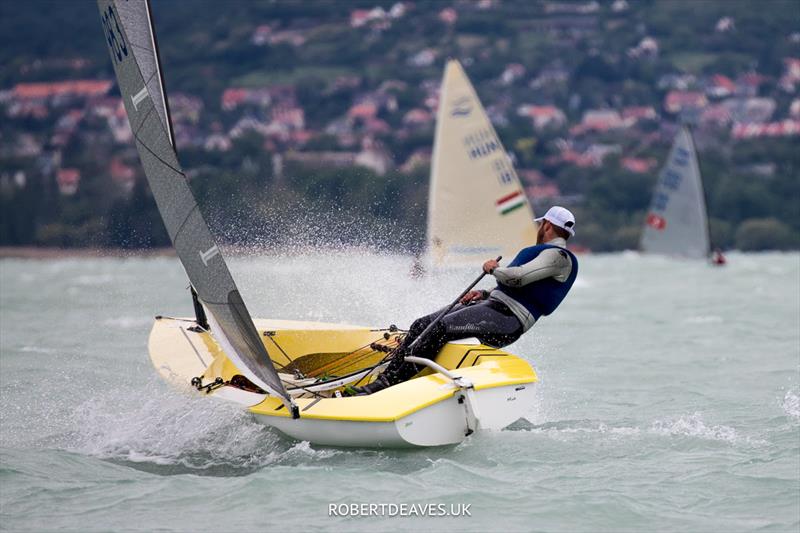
(512, 73)
(681, 101)
(291, 117)
(785, 128)
(122, 174)
(398, 10)
(725, 24)
(417, 117)
(543, 116)
(424, 58)
(551, 75)
(363, 110)
(217, 142)
(69, 88)
(418, 159)
(717, 115)
(543, 191)
(261, 35)
(791, 74)
(185, 108)
(634, 114)
(749, 83)
(359, 18)
(638, 165)
(600, 120)
(794, 108)
(679, 82)
(322, 159)
(68, 180)
(720, 86)
(375, 158)
(750, 110)
(448, 15)
(647, 47)
(236, 97)
(571, 8)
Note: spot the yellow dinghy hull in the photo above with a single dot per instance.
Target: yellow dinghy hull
(493, 388)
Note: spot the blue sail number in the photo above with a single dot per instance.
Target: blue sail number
(116, 42)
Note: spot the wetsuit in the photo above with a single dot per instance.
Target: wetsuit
(531, 286)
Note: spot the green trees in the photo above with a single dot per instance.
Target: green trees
(757, 234)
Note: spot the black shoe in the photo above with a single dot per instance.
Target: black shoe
(380, 383)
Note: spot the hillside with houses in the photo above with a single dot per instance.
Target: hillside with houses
(313, 121)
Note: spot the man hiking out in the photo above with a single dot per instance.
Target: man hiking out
(531, 286)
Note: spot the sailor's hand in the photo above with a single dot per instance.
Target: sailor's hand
(490, 265)
(472, 296)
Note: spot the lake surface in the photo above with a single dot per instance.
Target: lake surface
(669, 400)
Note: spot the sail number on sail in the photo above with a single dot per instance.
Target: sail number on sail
(114, 35)
(671, 180)
(480, 144)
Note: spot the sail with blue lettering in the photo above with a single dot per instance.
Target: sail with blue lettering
(477, 208)
(129, 33)
(677, 223)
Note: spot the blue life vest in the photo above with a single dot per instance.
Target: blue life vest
(543, 296)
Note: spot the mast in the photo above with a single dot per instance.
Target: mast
(199, 312)
(702, 196)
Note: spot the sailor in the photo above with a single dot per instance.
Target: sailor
(531, 286)
(717, 258)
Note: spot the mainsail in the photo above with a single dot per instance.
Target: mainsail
(129, 32)
(477, 208)
(677, 223)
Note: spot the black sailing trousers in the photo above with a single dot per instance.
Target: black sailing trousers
(488, 320)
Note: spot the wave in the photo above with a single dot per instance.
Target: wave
(791, 404)
(170, 433)
(128, 322)
(692, 426)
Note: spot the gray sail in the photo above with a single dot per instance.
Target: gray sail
(191, 237)
(676, 222)
(134, 17)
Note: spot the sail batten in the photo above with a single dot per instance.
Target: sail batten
(132, 44)
(477, 208)
(677, 222)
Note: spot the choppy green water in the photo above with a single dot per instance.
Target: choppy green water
(669, 400)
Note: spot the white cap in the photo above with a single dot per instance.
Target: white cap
(561, 217)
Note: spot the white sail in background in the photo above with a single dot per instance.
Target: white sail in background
(129, 33)
(477, 208)
(677, 223)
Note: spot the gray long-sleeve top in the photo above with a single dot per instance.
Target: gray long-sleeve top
(549, 263)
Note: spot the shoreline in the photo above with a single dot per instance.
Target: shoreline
(35, 252)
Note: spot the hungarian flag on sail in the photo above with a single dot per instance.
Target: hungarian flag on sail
(656, 222)
(510, 202)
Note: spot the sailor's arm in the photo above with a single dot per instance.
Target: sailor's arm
(551, 263)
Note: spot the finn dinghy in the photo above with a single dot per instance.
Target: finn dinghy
(677, 223)
(288, 374)
(477, 207)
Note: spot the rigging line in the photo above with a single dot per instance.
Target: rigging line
(194, 348)
(341, 361)
(337, 362)
(369, 369)
(278, 346)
